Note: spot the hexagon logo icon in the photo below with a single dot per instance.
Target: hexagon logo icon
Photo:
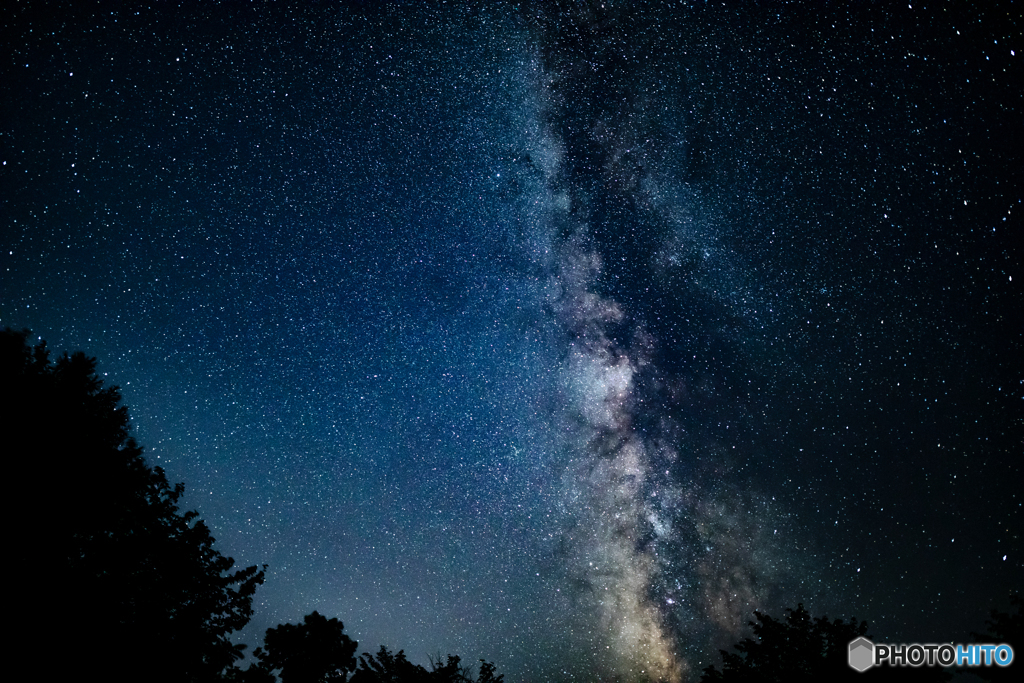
(861, 654)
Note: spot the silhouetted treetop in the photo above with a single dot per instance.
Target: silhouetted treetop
(1003, 627)
(388, 668)
(800, 648)
(127, 584)
(396, 668)
(315, 651)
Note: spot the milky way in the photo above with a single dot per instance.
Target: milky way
(564, 335)
(657, 548)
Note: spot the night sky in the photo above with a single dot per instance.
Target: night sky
(563, 335)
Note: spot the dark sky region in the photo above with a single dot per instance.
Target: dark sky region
(563, 335)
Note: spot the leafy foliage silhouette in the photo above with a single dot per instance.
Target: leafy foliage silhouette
(1007, 628)
(388, 668)
(487, 671)
(138, 587)
(395, 668)
(316, 651)
(800, 648)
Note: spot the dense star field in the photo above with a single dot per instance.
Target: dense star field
(563, 335)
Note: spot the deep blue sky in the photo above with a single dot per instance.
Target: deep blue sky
(564, 337)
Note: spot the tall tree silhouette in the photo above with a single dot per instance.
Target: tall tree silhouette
(315, 651)
(800, 648)
(113, 577)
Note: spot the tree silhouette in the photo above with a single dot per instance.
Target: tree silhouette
(804, 649)
(316, 651)
(123, 584)
(389, 668)
(449, 671)
(487, 670)
(395, 668)
(1003, 628)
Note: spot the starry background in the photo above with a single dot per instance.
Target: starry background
(563, 335)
